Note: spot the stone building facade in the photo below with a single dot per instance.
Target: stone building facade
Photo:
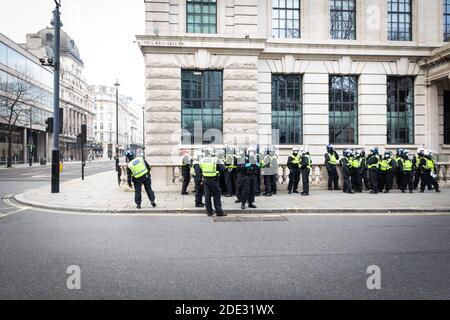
(296, 72)
(129, 121)
(75, 100)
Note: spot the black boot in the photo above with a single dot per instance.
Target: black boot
(252, 206)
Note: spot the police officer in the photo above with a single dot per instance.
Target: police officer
(331, 160)
(240, 163)
(405, 169)
(260, 159)
(416, 166)
(346, 163)
(186, 165)
(397, 173)
(269, 170)
(211, 167)
(220, 154)
(274, 165)
(249, 179)
(230, 172)
(305, 167)
(364, 170)
(386, 174)
(294, 170)
(138, 171)
(357, 163)
(373, 164)
(428, 169)
(198, 180)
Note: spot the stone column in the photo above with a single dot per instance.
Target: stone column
(432, 116)
(240, 101)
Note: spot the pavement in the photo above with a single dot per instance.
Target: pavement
(100, 193)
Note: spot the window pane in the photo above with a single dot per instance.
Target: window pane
(399, 20)
(201, 16)
(343, 109)
(286, 19)
(286, 109)
(446, 12)
(343, 19)
(201, 103)
(400, 110)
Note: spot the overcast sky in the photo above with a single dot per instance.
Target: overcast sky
(104, 31)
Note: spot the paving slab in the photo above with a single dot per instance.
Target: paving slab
(100, 193)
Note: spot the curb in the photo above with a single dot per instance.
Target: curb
(23, 201)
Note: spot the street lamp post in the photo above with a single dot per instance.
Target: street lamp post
(143, 132)
(117, 85)
(56, 114)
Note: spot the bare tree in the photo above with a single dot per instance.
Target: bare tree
(17, 96)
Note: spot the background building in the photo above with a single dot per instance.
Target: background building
(29, 136)
(130, 119)
(74, 96)
(296, 72)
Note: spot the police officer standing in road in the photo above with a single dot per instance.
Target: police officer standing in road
(373, 164)
(186, 165)
(331, 160)
(294, 170)
(416, 166)
(269, 169)
(305, 167)
(249, 179)
(138, 171)
(364, 170)
(211, 167)
(405, 174)
(198, 180)
(240, 163)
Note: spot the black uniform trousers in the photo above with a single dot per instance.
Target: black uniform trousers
(333, 177)
(294, 179)
(239, 184)
(212, 189)
(270, 183)
(357, 182)
(230, 181)
(199, 190)
(347, 182)
(147, 182)
(248, 189)
(407, 181)
(305, 179)
(373, 179)
(428, 180)
(365, 177)
(186, 174)
(417, 177)
(385, 180)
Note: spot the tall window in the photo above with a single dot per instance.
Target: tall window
(286, 109)
(399, 20)
(343, 19)
(286, 18)
(446, 12)
(343, 109)
(446, 117)
(201, 16)
(201, 106)
(400, 110)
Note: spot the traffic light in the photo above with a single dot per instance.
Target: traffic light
(49, 125)
(83, 134)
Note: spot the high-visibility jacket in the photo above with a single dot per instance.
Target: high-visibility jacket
(208, 166)
(385, 164)
(356, 163)
(333, 159)
(430, 164)
(374, 165)
(138, 168)
(308, 157)
(407, 165)
(295, 159)
(418, 160)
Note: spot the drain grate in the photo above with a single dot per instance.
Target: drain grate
(250, 218)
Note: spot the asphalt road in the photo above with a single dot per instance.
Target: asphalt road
(194, 257)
